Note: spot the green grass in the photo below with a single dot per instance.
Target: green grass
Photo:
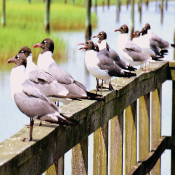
(25, 25)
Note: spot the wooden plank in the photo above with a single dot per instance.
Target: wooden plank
(171, 75)
(130, 136)
(116, 145)
(172, 64)
(173, 129)
(144, 125)
(100, 155)
(57, 168)
(145, 165)
(80, 158)
(156, 123)
(52, 141)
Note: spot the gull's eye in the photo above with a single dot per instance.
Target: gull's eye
(45, 42)
(17, 57)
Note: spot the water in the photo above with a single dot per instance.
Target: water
(12, 119)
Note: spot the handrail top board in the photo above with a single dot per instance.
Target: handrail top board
(13, 150)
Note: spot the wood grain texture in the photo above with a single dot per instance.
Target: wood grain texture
(144, 125)
(130, 136)
(100, 155)
(52, 141)
(145, 165)
(156, 123)
(80, 158)
(116, 145)
(57, 168)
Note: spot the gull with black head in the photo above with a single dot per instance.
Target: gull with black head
(112, 54)
(129, 51)
(43, 80)
(30, 100)
(100, 66)
(161, 43)
(46, 62)
(148, 45)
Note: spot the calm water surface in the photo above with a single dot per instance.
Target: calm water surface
(12, 120)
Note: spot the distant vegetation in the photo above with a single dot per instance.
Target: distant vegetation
(24, 24)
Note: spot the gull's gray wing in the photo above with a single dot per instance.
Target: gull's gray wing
(137, 56)
(41, 76)
(132, 46)
(60, 75)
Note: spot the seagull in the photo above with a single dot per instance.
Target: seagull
(43, 80)
(45, 62)
(161, 43)
(30, 100)
(106, 50)
(129, 51)
(146, 44)
(100, 66)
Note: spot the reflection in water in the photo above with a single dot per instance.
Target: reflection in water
(12, 119)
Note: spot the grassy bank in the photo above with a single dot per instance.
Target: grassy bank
(24, 25)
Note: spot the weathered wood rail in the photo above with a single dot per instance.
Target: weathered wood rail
(46, 152)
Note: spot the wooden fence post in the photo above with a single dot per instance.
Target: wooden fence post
(166, 5)
(144, 125)
(132, 15)
(108, 3)
(95, 6)
(88, 29)
(146, 3)
(3, 20)
(80, 158)
(127, 3)
(95, 3)
(100, 155)
(117, 10)
(57, 168)
(47, 16)
(156, 123)
(130, 136)
(116, 145)
(161, 8)
(173, 129)
(140, 10)
(103, 4)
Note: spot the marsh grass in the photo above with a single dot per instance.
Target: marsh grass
(25, 25)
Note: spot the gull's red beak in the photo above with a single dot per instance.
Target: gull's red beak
(37, 45)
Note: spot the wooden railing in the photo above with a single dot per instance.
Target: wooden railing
(46, 152)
